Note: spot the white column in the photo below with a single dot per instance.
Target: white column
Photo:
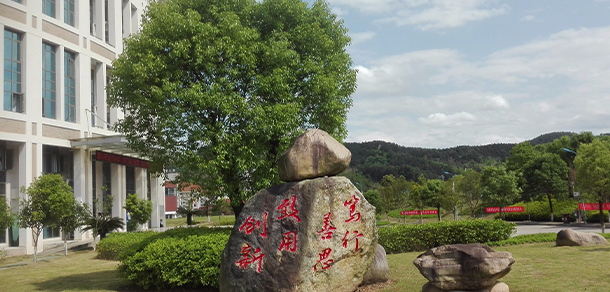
(141, 188)
(118, 190)
(157, 195)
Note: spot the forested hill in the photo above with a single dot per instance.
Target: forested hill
(378, 158)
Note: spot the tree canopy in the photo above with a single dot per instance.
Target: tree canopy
(49, 200)
(139, 211)
(593, 171)
(220, 88)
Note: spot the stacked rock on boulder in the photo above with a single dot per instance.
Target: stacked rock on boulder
(569, 237)
(316, 233)
(470, 267)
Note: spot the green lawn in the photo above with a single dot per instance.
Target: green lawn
(202, 221)
(539, 267)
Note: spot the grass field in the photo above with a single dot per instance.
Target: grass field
(539, 267)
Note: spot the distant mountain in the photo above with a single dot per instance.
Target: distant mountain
(378, 158)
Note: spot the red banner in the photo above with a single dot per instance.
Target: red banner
(417, 212)
(505, 209)
(593, 206)
(120, 159)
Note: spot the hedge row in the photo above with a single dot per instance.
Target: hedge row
(114, 243)
(407, 238)
(180, 257)
(540, 211)
(169, 263)
(181, 232)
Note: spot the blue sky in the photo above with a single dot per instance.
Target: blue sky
(444, 73)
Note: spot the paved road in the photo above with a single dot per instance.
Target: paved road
(556, 227)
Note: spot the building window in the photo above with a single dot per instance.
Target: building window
(48, 7)
(69, 12)
(93, 98)
(70, 86)
(50, 232)
(130, 180)
(48, 81)
(18, 1)
(13, 97)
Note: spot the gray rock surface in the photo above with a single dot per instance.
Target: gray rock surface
(569, 237)
(379, 271)
(463, 266)
(497, 287)
(312, 235)
(313, 154)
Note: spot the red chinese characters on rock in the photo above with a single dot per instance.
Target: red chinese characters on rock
(354, 237)
(328, 229)
(287, 209)
(250, 224)
(324, 262)
(249, 257)
(353, 215)
(289, 241)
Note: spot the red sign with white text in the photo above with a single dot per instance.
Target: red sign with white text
(505, 209)
(417, 212)
(593, 206)
(120, 159)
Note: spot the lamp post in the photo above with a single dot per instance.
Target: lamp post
(582, 218)
(455, 210)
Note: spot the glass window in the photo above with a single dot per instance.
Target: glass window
(48, 7)
(69, 12)
(70, 86)
(13, 99)
(48, 81)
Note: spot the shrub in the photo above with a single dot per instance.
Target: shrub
(168, 263)
(112, 245)
(407, 238)
(180, 232)
(540, 211)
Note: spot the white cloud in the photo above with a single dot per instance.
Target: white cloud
(442, 14)
(496, 102)
(360, 37)
(456, 119)
(427, 14)
(558, 83)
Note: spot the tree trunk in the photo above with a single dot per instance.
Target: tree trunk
(237, 209)
(65, 246)
(189, 219)
(550, 206)
(438, 211)
(601, 217)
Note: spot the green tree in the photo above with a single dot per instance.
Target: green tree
(433, 195)
(417, 195)
(393, 192)
(102, 223)
(499, 186)
(6, 216)
(139, 211)
(221, 87)
(450, 197)
(593, 172)
(468, 186)
(49, 199)
(546, 175)
(372, 196)
(73, 221)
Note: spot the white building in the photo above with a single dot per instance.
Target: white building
(57, 56)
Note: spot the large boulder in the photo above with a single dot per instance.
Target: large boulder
(497, 287)
(463, 266)
(379, 271)
(313, 154)
(569, 237)
(312, 235)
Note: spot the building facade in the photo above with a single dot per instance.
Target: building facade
(57, 56)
